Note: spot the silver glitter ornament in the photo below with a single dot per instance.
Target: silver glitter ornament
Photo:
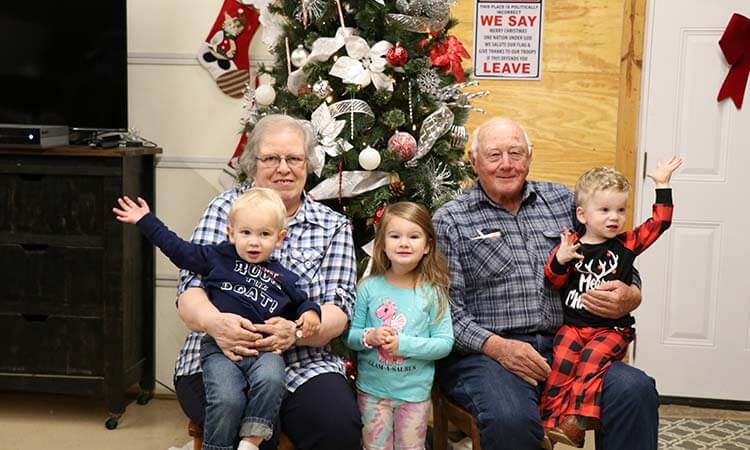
(458, 137)
(299, 56)
(322, 89)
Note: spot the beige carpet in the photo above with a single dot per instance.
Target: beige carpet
(704, 433)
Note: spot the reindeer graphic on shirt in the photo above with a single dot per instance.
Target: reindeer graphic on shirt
(593, 273)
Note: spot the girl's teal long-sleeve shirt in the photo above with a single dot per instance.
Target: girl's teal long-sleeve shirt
(422, 339)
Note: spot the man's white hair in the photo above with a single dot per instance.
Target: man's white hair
(475, 135)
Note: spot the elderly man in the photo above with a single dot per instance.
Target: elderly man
(497, 238)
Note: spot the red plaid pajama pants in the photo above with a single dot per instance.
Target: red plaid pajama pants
(581, 356)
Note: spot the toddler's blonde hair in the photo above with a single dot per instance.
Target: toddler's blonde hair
(260, 201)
(599, 179)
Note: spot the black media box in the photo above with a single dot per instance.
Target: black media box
(33, 136)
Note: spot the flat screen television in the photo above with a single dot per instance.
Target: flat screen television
(64, 63)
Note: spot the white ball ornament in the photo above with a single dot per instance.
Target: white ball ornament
(265, 95)
(369, 158)
(299, 56)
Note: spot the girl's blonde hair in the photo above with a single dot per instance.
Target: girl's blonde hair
(262, 201)
(432, 268)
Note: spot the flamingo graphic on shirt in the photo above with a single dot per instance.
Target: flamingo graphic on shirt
(387, 313)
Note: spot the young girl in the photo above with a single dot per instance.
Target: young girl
(401, 325)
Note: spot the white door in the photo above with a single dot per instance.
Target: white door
(694, 322)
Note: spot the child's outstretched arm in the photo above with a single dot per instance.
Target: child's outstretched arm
(641, 237)
(663, 172)
(183, 254)
(129, 211)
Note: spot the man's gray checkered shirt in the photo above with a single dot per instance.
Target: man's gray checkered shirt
(318, 248)
(497, 282)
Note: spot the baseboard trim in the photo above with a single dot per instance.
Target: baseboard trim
(711, 403)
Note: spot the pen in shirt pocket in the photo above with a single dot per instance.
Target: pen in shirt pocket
(486, 234)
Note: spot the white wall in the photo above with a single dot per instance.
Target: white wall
(174, 102)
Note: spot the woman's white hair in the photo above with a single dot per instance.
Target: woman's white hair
(271, 123)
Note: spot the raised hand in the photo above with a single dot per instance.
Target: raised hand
(129, 211)
(663, 172)
(568, 250)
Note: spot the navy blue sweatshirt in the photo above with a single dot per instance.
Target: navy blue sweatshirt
(253, 291)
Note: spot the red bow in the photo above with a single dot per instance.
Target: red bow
(447, 55)
(735, 43)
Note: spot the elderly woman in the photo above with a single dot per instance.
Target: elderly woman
(319, 411)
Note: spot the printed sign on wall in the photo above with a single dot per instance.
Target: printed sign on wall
(508, 39)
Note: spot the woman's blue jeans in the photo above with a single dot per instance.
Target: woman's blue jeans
(243, 397)
(507, 408)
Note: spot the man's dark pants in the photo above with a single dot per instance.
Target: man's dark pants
(507, 408)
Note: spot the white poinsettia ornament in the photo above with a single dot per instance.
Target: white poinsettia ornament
(322, 50)
(364, 65)
(327, 130)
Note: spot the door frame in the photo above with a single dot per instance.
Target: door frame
(628, 105)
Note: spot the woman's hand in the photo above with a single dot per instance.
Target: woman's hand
(235, 335)
(279, 335)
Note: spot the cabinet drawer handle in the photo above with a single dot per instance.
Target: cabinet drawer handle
(35, 317)
(35, 247)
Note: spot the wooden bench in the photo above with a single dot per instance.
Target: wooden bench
(196, 432)
(444, 411)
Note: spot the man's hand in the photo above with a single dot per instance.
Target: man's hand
(310, 323)
(279, 335)
(518, 357)
(612, 299)
(234, 335)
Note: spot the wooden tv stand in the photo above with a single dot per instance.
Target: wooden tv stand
(77, 296)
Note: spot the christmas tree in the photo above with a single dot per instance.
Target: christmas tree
(382, 85)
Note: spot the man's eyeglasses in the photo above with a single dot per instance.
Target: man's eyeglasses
(275, 160)
(514, 154)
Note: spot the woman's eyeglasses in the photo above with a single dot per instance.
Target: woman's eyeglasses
(275, 160)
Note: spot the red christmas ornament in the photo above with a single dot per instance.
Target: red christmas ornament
(378, 215)
(447, 55)
(397, 55)
(403, 145)
(350, 369)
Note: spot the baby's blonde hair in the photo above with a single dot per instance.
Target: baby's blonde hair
(599, 179)
(260, 201)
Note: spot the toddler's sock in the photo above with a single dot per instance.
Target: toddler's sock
(247, 445)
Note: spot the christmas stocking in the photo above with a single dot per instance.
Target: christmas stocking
(225, 52)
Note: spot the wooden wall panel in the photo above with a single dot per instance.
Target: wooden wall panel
(571, 113)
